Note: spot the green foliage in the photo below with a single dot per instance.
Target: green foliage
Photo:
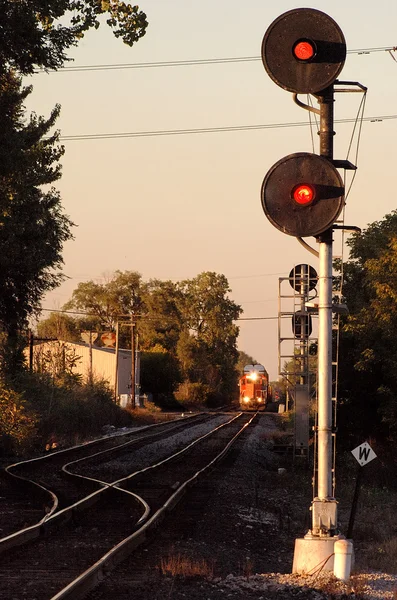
(17, 422)
(160, 372)
(368, 355)
(186, 330)
(192, 395)
(243, 360)
(37, 33)
(32, 224)
(207, 345)
(61, 327)
(162, 324)
(66, 410)
(110, 301)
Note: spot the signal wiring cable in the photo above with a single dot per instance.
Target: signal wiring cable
(310, 102)
(145, 317)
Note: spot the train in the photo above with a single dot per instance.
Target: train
(255, 391)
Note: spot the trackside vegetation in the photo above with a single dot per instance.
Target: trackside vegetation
(187, 332)
(33, 225)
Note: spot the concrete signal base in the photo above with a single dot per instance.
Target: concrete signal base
(313, 554)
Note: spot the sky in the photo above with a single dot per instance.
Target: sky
(174, 206)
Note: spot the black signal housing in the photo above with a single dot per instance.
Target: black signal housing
(298, 74)
(277, 194)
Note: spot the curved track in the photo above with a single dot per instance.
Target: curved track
(35, 489)
(75, 547)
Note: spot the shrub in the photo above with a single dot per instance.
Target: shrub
(67, 411)
(17, 422)
(192, 394)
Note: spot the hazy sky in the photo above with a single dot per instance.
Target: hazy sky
(173, 206)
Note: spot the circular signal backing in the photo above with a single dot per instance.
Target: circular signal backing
(304, 50)
(303, 276)
(277, 194)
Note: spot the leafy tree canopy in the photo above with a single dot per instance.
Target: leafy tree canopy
(188, 325)
(107, 302)
(207, 346)
(37, 33)
(368, 359)
(33, 225)
(243, 360)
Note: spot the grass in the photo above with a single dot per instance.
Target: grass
(375, 528)
(177, 565)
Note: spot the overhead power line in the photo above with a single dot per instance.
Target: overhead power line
(167, 132)
(190, 63)
(87, 314)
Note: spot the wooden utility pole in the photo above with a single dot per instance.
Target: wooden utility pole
(132, 360)
(116, 375)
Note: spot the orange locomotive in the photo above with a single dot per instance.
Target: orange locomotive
(254, 388)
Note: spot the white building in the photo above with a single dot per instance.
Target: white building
(89, 362)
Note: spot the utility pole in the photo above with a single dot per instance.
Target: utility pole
(90, 375)
(132, 359)
(116, 375)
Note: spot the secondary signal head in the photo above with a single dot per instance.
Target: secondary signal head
(302, 194)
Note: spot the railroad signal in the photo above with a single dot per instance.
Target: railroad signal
(304, 51)
(302, 194)
(301, 324)
(303, 277)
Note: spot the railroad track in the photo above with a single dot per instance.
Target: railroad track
(78, 545)
(35, 489)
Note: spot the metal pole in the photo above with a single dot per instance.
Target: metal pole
(116, 375)
(325, 370)
(354, 504)
(137, 370)
(132, 360)
(324, 511)
(90, 355)
(303, 341)
(30, 350)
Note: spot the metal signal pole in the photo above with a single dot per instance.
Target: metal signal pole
(324, 512)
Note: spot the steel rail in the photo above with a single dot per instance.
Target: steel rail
(77, 589)
(52, 497)
(32, 532)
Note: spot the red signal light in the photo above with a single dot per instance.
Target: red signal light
(304, 50)
(303, 194)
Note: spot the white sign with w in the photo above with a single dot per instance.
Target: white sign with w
(363, 454)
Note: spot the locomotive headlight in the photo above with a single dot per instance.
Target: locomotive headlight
(253, 376)
(246, 399)
(260, 399)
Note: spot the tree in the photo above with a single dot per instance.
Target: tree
(37, 33)
(106, 303)
(33, 226)
(161, 322)
(61, 327)
(207, 345)
(368, 356)
(243, 360)
(160, 374)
